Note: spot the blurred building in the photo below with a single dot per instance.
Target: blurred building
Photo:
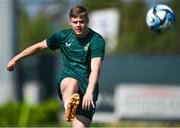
(107, 28)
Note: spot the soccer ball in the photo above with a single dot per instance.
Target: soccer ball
(160, 18)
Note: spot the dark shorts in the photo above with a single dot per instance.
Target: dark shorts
(88, 114)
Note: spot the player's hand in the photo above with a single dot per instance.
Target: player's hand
(11, 65)
(87, 101)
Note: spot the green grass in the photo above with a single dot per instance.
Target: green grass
(139, 124)
(132, 124)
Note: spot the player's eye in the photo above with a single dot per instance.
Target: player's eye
(75, 22)
(82, 22)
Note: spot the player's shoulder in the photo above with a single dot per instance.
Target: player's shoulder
(64, 34)
(67, 31)
(95, 34)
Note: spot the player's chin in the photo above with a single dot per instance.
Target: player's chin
(79, 34)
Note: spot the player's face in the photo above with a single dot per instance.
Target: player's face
(79, 25)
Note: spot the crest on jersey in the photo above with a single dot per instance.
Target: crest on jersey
(86, 47)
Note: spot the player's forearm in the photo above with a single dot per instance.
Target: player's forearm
(93, 78)
(34, 49)
(27, 52)
(94, 75)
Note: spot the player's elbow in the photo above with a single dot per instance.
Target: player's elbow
(40, 46)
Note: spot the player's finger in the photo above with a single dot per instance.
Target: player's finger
(10, 68)
(84, 105)
(92, 104)
(89, 105)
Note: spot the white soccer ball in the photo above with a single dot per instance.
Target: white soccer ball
(160, 17)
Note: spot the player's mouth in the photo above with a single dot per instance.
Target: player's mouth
(78, 30)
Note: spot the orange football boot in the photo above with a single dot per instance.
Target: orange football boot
(72, 107)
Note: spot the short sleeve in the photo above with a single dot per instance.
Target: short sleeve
(98, 48)
(54, 40)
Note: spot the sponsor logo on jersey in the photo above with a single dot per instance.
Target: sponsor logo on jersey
(68, 44)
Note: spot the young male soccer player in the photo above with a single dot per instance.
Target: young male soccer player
(83, 51)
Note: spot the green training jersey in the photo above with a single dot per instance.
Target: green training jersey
(77, 54)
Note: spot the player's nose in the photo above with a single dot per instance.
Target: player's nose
(78, 24)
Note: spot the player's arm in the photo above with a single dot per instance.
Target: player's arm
(34, 49)
(93, 78)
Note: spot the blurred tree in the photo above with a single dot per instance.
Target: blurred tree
(92, 5)
(33, 30)
(132, 26)
(174, 38)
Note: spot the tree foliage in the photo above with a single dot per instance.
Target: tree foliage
(92, 5)
(32, 30)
